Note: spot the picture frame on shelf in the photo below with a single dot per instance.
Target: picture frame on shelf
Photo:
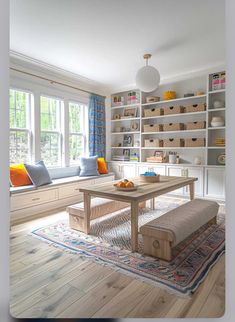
(129, 112)
(128, 140)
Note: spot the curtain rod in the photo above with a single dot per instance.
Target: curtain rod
(54, 82)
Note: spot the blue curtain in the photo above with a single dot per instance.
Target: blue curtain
(97, 127)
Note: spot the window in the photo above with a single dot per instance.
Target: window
(50, 115)
(77, 129)
(20, 102)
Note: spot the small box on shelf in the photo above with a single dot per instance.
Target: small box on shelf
(195, 108)
(155, 111)
(173, 110)
(195, 125)
(195, 142)
(173, 127)
(153, 128)
(173, 142)
(153, 143)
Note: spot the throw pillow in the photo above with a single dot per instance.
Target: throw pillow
(38, 173)
(19, 176)
(88, 166)
(102, 166)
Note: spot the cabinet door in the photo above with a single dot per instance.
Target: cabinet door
(177, 172)
(142, 169)
(128, 170)
(197, 173)
(116, 169)
(215, 183)
(159, 169)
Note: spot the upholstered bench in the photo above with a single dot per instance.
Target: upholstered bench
(163, 233)
(99, 208)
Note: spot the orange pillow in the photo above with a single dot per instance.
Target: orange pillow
(102, 167)
(19, 175)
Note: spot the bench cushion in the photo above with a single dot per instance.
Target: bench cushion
(99, 207)
(56, 182)
(182, 221)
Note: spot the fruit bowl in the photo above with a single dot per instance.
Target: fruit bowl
(125, 185)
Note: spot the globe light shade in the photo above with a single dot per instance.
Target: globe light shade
(147, 79)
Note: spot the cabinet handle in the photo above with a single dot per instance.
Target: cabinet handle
(76, 189)
(35, 199)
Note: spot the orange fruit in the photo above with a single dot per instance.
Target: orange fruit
(122, 184)
(129, 184)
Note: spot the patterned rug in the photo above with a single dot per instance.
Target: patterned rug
(109, 244)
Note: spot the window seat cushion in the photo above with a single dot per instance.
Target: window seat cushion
(56, 182)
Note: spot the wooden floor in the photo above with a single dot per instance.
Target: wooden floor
(47, 282)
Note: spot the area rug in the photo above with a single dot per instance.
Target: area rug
(109, 244)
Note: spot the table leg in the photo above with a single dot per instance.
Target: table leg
(87, 212)
(191, 190)
(153, 203)
(134, 226)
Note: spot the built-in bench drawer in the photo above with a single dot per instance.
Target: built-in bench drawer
(72, 190)
(31, 199)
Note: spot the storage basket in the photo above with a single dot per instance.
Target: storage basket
(195, 142)
(174, 142)
(195, 108)
(173, 127)
(153, 143)
(157, 159)
(155, 111)
(173, 110)
(152, 99)
(195, 125)
(149, 179)
(153, 127)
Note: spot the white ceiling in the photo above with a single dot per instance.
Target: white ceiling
(104, 40)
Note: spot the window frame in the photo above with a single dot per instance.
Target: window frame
(59, 131)
(28, 128)
(38, 89)
(84, 133)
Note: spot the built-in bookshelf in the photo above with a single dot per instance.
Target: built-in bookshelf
(129, 120)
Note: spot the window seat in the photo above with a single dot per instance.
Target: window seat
(29, 202)
(56, 182)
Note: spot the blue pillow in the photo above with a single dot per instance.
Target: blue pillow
(38, 173)
(88, 166)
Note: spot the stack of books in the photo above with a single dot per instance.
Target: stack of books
(121, 158)
(220, 141)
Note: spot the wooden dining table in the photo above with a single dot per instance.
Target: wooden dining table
(144, 192)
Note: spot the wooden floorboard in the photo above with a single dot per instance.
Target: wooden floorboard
(48, 282)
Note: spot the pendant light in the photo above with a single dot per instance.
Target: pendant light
(147, 77)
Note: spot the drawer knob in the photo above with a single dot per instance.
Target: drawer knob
(35, 199)
(156, 244)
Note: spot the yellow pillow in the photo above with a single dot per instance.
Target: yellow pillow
(19, 175)
(102, 167)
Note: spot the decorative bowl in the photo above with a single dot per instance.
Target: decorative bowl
(217, 121)
(218, 104)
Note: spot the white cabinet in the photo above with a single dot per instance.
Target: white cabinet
(116, 169)
(128, 170)
(142, 169)
(123, 170)
(31, 199)
(160, 169)
(196, 172)
(215, 183)
(210, 183)
(177, 172)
